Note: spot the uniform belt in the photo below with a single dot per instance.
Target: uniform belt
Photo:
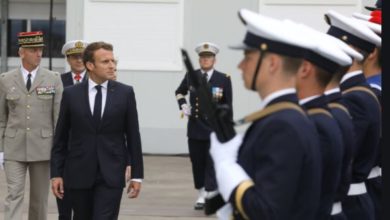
(375, 172)
(357, 189)
(336, 208)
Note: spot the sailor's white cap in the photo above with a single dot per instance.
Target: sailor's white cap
(324, 53)
(352, 32)
(269, 34)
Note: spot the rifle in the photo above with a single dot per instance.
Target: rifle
(217, 116)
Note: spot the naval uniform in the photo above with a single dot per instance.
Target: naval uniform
(281, 154)
(374, 180)
(344, 120)
(366, 114)
(198, 130)
(331, 151)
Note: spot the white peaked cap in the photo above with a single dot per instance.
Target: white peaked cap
(324, 53)
(377, 28)
(269, 34)
(352, 32)
(207, 47)
(74, 47)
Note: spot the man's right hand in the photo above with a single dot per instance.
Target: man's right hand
(2, 160)
(186, 109)
(57, 187)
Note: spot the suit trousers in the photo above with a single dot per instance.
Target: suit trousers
(101, 202)
(202, 164)
(15, 172)
(64, 206)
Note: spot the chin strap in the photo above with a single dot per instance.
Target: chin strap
(262, 53)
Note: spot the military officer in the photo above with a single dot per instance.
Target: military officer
(365, 110)
(198, 130)
(73, 50)
(274, 172)
(29, 105)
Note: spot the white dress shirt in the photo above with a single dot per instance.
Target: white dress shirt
(92, 93)
(82, 74)
(26, 72)
(275, 95)
(209, 73)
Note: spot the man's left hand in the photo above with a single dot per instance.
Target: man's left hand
(133, 189)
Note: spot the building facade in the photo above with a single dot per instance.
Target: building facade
(147, 36)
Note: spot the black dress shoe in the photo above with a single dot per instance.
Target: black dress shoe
(199, 206)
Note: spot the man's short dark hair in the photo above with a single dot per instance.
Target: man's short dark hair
(88, 55)
(323, 77)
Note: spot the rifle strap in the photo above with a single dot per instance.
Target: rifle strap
(269, 110)
(362, 89)
(314, 111)
(339, 106)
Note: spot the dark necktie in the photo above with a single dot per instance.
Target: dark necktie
(28, 84)
(97, 108)
(205, 76)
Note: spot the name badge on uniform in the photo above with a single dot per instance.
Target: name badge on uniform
(217, 93)
(46, 90)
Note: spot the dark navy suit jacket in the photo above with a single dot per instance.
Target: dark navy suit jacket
(198, 127)
(110, 147)
(331, 145)
(366, 117)
(281, 154)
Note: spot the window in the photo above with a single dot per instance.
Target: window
(58, 35)
(14, 27)
(17, 25)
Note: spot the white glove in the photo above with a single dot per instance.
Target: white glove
(229, 173)
(186, 109)
(2, 160)
(225, 213)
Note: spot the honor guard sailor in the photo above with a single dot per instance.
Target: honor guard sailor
(274, 171)
(198, 130)
(364, 108)
(320, 64)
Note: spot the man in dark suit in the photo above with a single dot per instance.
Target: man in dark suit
(73, 50)
(198, 130)
(274, 172)
(98, 118)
